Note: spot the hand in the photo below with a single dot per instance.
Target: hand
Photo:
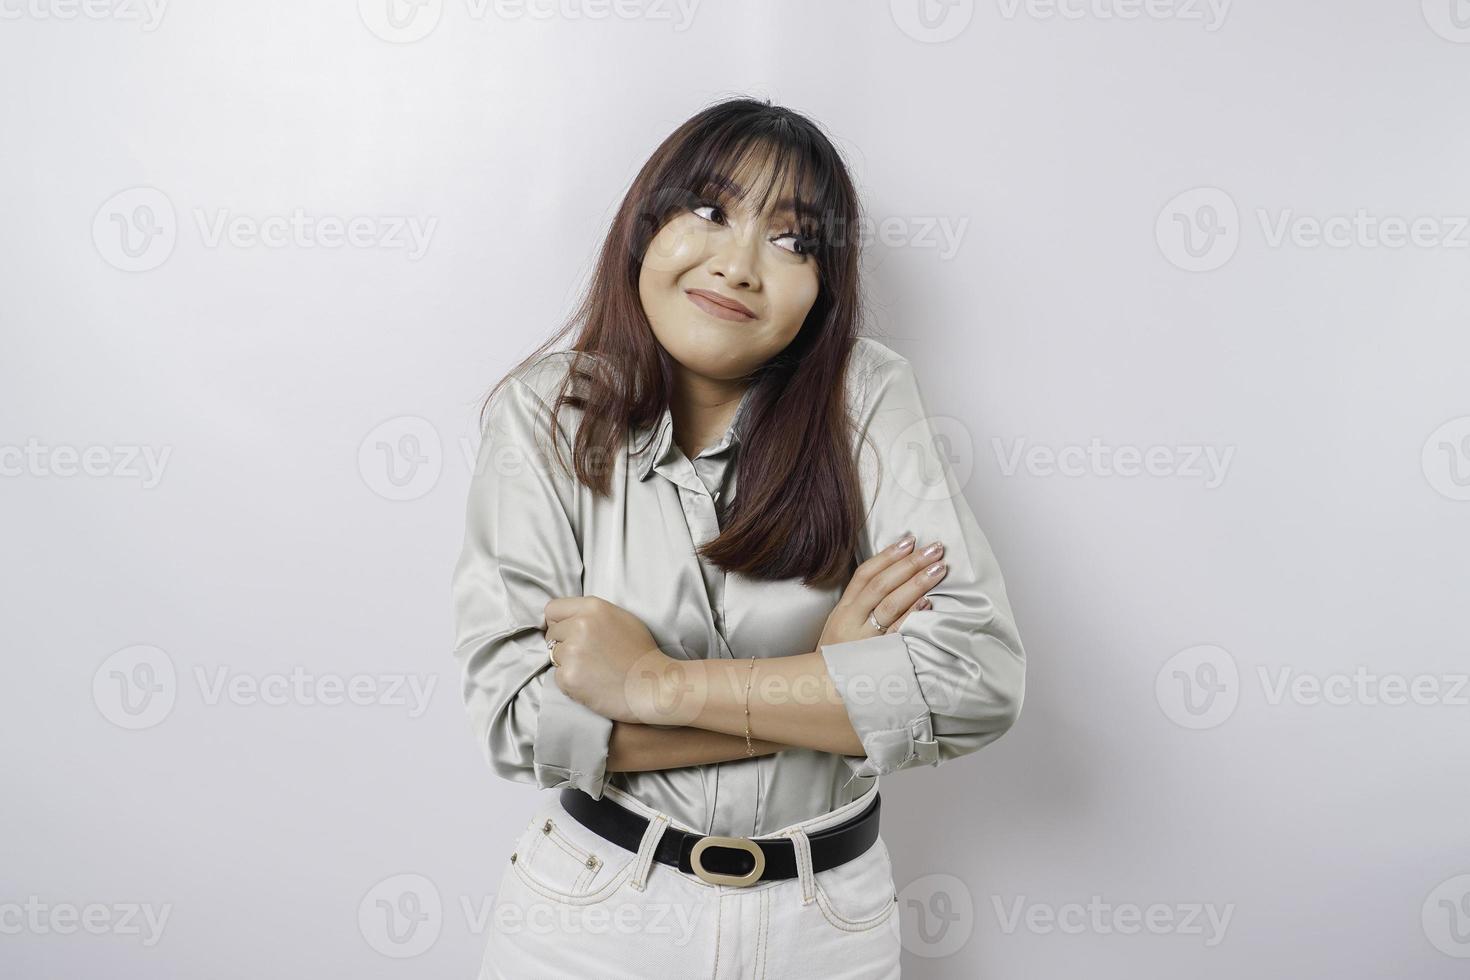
(888, 586)
(607, 659)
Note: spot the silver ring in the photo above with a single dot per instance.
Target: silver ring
(551, 651)
(873, 622)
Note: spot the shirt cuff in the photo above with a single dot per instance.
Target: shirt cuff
(884, 702)
(570, 748)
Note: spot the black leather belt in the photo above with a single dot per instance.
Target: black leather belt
(725, 860)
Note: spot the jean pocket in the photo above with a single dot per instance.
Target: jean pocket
(560, 859)
(859, 894)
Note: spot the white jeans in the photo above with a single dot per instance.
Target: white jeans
(573, 904)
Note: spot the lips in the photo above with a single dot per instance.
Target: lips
(721, 306)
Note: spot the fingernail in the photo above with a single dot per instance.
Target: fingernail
(925, 604)
(905, 543)
(934, 569)
(934, 549)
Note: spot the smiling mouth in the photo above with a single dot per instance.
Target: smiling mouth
(717, 307)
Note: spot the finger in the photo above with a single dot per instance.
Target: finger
(564, 608)
(558, 631)
(923, 603)
(915, 589)
(864, 573)
(900, 578)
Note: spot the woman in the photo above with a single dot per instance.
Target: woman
(713, 684)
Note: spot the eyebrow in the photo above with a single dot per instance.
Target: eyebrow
(787, 205)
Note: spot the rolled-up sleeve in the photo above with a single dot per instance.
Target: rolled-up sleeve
(952, 678)
(520, 551)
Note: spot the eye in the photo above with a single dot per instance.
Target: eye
(707, 204)
(804, 244)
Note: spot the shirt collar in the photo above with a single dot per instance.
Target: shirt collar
(662, 443)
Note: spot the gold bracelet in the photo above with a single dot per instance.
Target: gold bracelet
(749, 749)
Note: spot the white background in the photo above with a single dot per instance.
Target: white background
(316, 403)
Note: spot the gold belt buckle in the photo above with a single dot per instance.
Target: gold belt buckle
(738, 843)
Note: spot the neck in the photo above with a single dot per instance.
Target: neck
(702, 409)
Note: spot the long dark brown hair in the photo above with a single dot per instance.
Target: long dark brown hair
(798, 507)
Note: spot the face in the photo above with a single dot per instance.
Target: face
(721, 251)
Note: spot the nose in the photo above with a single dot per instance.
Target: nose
(734, 261)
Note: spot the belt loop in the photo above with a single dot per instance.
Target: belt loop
(803, 847)
(652, 834)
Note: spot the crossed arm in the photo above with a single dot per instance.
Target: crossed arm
(950, 683)
(792, 704)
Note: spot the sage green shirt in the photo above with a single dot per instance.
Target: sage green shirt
(948, 683)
